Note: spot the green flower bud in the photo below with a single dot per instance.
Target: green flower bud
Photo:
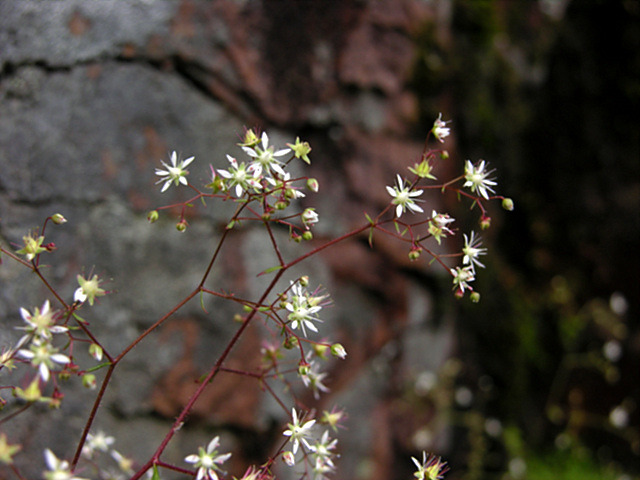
(307, 235)
(313, 185)
(181, 226)
(337, 350)
(153, 216)
(485, 222)
(89, 381)
(290, 342)
(444, 155)
(475, 297)
(507, 204)
(304, 369)
(414, 253)
(58, 219)
(304, 281)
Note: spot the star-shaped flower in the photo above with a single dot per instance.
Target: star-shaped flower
(207, 461)
(174, 173)
(476, 178)
(440, 129)
(403, 197)
(298, 431)
(472, 251)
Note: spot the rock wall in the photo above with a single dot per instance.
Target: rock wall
(94, 94)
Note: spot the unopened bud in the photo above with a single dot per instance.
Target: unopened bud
(313, 185)
(58, 219)
(153, 216)
(181, 226)
(337, 350)
(304, 368)
(89, 381)
(320, 349)
(281, 205)
(307, 235)
(95, 351)
(289, 458)
(507, 204)
(290, 342)
(444, 155)
(475, 297)
(304, 281)
(414, 253)
(485, 222)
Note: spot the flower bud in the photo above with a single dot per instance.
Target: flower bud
(485, 222)
(444, 155)
(289, 458)
(238, 318)
(89, 381)
(290, 343)
(337, 350)
(313, 185)
(414, 253)
(95, 351)
(304, 368)
(507, 204)
(304, 281)
(475, 297)
(58, 219)
(320, 349)
(181, 226)
(153, 216)
(281, 205)
(307, 235)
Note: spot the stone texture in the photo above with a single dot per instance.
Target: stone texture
(94, 94)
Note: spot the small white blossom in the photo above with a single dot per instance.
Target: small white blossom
(264, 157)
(323, 449)
(313, 379)
(298, 432)
(41, 322)
(472, 250)
(58, 469)
(431, 467)
(240, 177)
(99, 442)
(207, 461)
(403, 197)
(309, 217)
(619, 417)
(174, 173)
(303, 308)
(42, 356)
(440, 130)
(462, 277)
(438, 225)
(476, 178)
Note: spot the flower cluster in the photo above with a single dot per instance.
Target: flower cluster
(318, 451)
(479, 182)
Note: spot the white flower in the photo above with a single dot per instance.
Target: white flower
(438, 225)
(440, 130)
(302, 308)
(265, 157)
(322, 449)
(298, 432)
(309, 217)
(472, 250)
(175, 172)
(58, 469)
(99, 442)
(476, 178)
(42, 355)
(313, 379)
(431, 467)
(41, 322)
(240, 177)
(462, 277)
(403, 197)
(207, 461)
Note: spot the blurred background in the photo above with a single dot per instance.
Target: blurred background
(539, 380)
